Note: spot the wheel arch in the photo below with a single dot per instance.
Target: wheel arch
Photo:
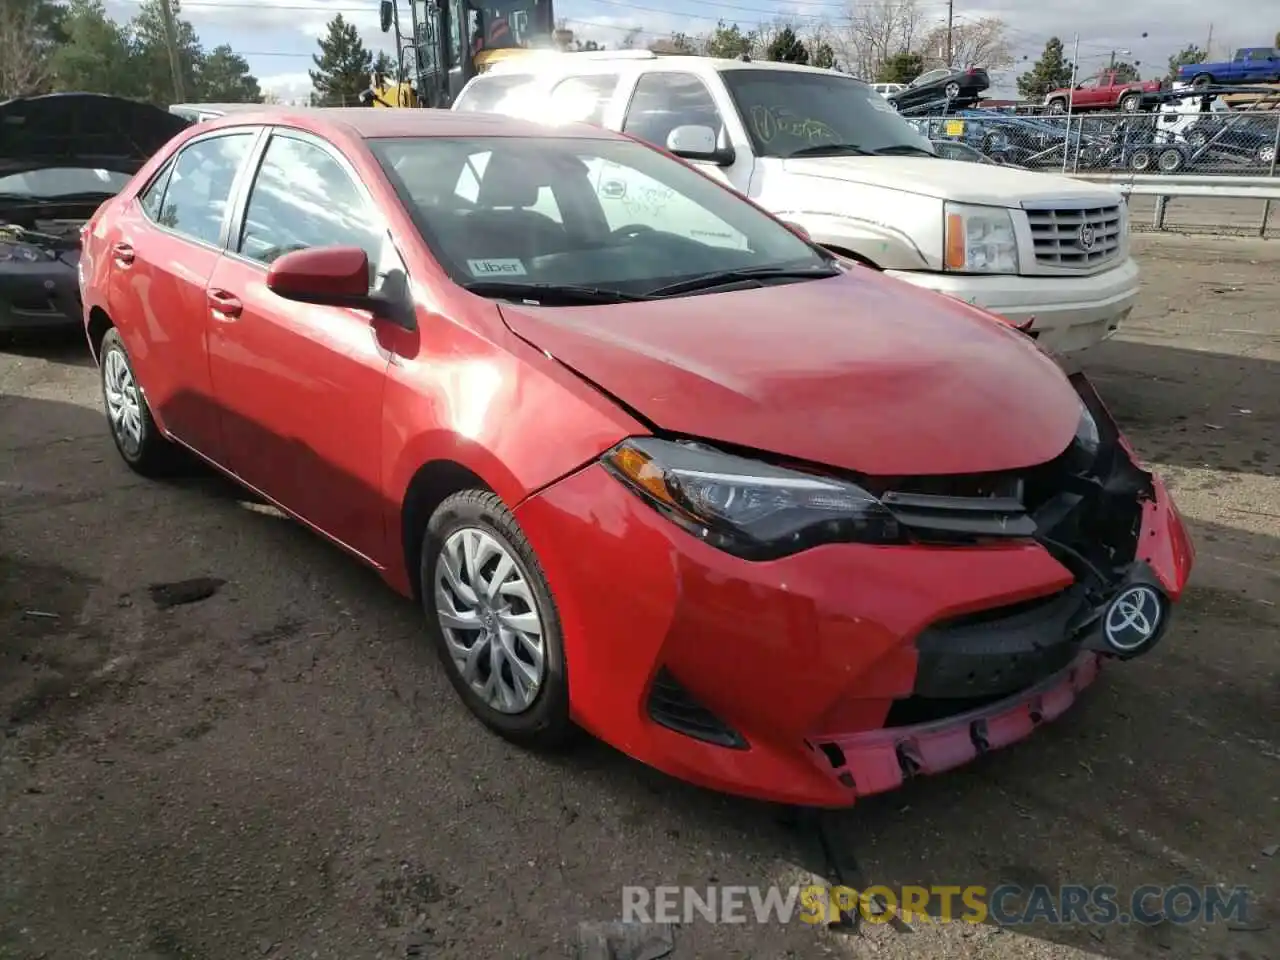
(99, 323)
(431, 484)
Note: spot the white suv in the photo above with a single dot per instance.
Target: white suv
(824, 152)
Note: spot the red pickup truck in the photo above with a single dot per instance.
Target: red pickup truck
(1106, 91)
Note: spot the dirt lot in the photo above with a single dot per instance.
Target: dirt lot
(282, 770)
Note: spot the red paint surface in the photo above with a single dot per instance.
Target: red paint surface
(331, 413)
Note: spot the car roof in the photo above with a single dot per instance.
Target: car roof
(550, 60)
(374, 122)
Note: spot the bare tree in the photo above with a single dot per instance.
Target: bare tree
(631, 39)
(24, 67)
(975, 43)
(874, 30)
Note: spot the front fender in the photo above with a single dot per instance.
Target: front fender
(511, 415)
(882, 244)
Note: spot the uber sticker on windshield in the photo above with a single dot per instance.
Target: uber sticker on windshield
(496, 268)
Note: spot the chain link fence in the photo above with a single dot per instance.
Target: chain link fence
(1239, 143)
(1173, 140)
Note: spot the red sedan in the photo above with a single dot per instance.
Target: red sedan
(652, 463)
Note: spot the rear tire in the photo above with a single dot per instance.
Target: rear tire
(141, 444)
(1201, 80)
(493, 621)
(951, 91)
(1131, 103)
(1170, 160)
(1140, 160)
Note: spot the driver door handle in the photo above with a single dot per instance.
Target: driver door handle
(225, 306)
(123, 254)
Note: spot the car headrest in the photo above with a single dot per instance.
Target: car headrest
(507, 182)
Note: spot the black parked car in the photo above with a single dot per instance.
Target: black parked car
(61, 157)
(945, 87)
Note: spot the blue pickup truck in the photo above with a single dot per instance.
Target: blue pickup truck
(1249, 65)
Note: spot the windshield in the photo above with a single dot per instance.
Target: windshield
(786, 112)
(63, 182)
(579, 212)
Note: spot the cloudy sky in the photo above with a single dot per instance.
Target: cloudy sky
(279, 36)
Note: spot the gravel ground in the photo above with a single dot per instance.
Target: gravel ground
(282, 770)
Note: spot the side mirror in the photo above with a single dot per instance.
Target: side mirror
(385, 15)
(327, 276)
(696, 142)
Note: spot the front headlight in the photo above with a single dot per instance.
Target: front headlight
(746, 507)
(979, 239)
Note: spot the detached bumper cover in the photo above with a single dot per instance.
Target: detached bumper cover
(810, 679)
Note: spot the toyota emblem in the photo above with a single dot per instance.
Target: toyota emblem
(1133, 619)
(1085, 237)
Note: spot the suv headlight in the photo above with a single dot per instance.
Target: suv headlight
(746, 507)
(979, 239)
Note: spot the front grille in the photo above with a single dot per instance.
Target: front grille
(1061, 236)
(673, 707)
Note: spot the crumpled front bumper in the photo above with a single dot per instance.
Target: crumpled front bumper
(794, 680)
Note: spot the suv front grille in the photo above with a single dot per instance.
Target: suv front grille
(1075, 238)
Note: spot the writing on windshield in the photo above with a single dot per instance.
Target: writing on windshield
(769, 122)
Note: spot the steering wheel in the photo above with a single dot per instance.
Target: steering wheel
(630, 231)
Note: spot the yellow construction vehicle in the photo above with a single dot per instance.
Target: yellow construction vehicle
(450, 41)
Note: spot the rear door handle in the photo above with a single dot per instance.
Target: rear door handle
(123, 253)
(225, 306)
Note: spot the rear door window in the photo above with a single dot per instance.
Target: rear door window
(199, 189)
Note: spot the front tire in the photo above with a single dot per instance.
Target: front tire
(141, 444)
(493, 620)
(1057, 107)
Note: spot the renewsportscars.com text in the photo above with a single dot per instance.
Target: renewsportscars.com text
(1005, 905)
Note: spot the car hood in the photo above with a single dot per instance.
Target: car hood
(951, 179)
(89, 130)
(859, 372)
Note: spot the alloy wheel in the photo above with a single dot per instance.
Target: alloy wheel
(490, 620)
(124, 403)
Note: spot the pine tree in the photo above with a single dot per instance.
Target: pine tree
(1185, 57)
(823, 56)
(225, 78)
(1126, 72)
(343, 66)
(901, 68)
(1051, 72)
(786, 47)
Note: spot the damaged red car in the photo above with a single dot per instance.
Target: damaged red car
(652, 463)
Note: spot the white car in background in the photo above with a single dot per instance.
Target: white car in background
(884, 89)
(827, 154)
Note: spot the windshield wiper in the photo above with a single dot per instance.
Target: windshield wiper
(564, 294)
(830, 149)
(900, 149)
(724, 278)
